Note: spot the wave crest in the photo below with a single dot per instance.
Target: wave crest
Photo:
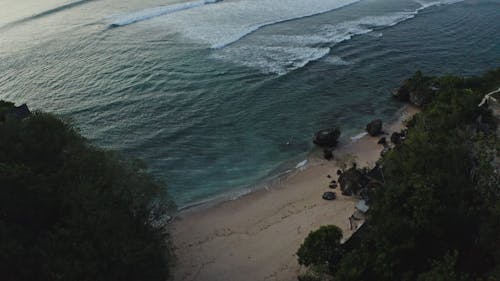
(150, 13)
(61, 8)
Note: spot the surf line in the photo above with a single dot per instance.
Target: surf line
(158, 11)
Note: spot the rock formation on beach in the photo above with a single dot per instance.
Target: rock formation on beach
(417, 90)
(374, 128)
(434, 210)
(327, 137)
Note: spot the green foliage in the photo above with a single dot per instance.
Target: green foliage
(321, 247)
(70, 211)
(438, 215)
(417, 89)
(313, 275)
(4, 107)
(443, 270)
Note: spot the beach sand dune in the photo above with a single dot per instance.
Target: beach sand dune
(255, 237)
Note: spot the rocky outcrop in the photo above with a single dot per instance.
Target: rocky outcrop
(418, 90)
(374, 128)
(401, 94)
(8, 110)
(360, 182)
(396, 138)
(327, 137)
(351, 181)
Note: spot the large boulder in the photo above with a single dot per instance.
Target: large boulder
(327, 137)
(402, 93)
(351, 181)
(420, 96)
(8, 110)
(417, 97)
(396, 138)
(374, 128)
(329, 195)
(417, 90)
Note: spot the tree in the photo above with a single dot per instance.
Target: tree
(71, 211)
(321, 247)
(437, 216)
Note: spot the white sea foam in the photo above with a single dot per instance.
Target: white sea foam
(280, 54)
(427, 4)
(154, 12)
(271, 59)
(64, 7)
(221, 26)
(226, 22)
(336, 60)
(301, 164)
(359, 136)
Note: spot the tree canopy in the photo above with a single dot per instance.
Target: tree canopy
(71, 211)
(437, 217)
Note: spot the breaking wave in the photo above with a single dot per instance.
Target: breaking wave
(280, 54)
(61, 8)
(157, 12)
(223, 25)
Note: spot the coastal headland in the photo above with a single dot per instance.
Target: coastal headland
(256, 236)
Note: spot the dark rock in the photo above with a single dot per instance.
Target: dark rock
(333, 185)
(374, 128)
(376, 174)
(420, 97)
(373, 185)
(351, 181)
(364, 193)
(382, 141)
(327, 137)
(396, 138)
(328, 153)
(402, 93)
(328, 176)
(347, 192)
(339, 172)
(19, 112)
(417, 90)
(329, 195)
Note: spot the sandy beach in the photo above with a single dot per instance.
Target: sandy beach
(255, 237)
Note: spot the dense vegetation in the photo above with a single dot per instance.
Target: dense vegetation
(437, 217)
(70, 211)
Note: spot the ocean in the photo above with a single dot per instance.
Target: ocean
(218, 96)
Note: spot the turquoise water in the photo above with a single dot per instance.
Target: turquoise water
(216, 97)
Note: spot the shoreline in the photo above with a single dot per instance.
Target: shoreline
(255, 236)
(273, 179)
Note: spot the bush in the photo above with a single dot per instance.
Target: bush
(321, 247)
